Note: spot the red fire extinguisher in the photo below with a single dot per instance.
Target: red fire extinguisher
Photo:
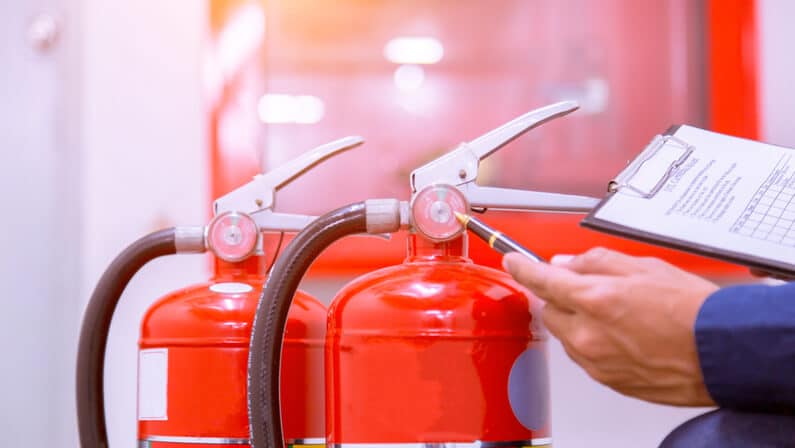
(437, 351)
(192, 365)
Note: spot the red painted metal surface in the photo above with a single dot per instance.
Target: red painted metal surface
(423, 352)
(207, 336)
(733, 59)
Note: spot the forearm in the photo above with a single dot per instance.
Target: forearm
(746, 345)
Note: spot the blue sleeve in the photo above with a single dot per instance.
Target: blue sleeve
(745, 337)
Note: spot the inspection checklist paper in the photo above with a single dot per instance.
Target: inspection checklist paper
(707, 193)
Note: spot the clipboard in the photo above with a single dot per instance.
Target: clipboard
(650, 175)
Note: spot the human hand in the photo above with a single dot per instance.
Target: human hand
(628, 321)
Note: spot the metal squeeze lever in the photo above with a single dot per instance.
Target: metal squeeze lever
(241, 215)
(448, 184)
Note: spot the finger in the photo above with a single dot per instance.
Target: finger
(557, 320)
(584, 362)
(552, 284)
(601, 261)
(572, 333)
(561, 259)
(576, 357)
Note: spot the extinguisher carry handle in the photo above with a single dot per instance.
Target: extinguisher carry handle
(459, 168)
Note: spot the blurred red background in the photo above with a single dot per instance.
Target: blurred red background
(284, 76)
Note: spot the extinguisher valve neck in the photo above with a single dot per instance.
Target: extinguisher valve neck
(384, 215)
(190, 239)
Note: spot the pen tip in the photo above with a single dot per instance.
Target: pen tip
(462, 218)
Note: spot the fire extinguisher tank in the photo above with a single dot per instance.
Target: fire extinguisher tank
(436, 350)
(193, 359)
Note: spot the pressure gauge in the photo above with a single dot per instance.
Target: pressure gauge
(232, 236)
(433, 212)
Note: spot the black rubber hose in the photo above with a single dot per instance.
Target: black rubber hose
(94, 332)
(267, 333)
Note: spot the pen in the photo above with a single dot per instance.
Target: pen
(496, 240)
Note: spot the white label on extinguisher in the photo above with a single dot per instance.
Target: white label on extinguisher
(153, 384)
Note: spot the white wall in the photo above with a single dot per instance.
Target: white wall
(144, 164)
(38, 242)
(777, 91)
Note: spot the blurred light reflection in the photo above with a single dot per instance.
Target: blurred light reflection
(414, 50)
(277, 108)
(409, 78)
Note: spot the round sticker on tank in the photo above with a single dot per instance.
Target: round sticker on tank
(231, 288)
(528, 389)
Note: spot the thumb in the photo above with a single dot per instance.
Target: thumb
(599, 261)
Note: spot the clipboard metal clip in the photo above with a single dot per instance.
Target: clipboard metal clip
(623, 181)
(459, 168)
